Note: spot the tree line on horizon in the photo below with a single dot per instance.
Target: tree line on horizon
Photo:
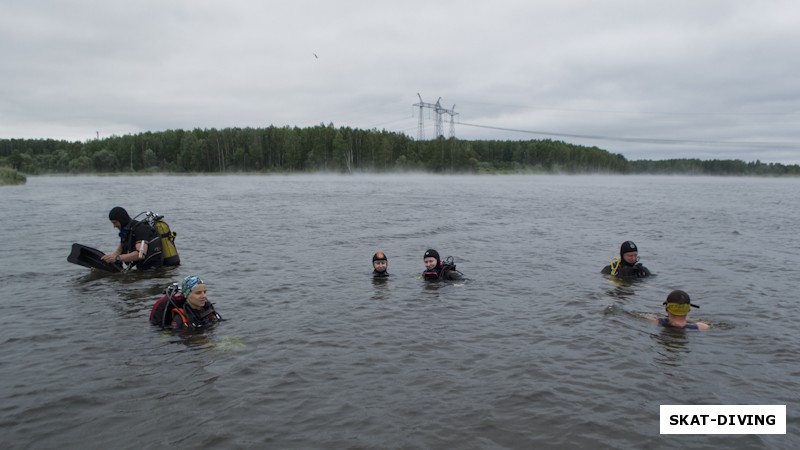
(344, 150)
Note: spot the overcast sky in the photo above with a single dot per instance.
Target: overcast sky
(647, 79)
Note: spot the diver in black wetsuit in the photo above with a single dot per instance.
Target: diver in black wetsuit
(436, 269)
(627, 266)
(380, 265)
(139, 245)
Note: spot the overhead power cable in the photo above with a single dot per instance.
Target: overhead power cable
(642, 140)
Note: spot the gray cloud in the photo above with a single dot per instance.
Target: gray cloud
(713, 79)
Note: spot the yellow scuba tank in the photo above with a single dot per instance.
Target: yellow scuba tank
(169, 252)
(165, 248)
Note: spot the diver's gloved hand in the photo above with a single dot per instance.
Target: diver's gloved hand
(638, 271)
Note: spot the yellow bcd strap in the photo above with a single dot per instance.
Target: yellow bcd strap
(614, 265)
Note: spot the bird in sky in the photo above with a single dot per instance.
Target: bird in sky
(315, 56)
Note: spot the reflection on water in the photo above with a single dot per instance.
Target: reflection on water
(673, 345)
(381, 288)
(194, 338)
(622, 291)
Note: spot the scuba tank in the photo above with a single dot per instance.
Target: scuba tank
(169, 253)
(161, 313)
(168, 249)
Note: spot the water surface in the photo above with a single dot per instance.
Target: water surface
(536, 349)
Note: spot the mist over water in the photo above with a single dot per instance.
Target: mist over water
(535, 349)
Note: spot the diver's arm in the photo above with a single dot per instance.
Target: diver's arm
(453, 275)
(138, 254)
(642, 271)
(652, 318)
(702, 326)
(110, 257)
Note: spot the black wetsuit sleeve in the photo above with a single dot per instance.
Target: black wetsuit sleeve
(606, 270)
(452, 275)
(636, 271)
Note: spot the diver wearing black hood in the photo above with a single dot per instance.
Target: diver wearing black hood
(139, 245)
(380, 264)
(627, 266)
(436, 269)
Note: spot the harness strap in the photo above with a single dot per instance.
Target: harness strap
(198, 322)
(614, 265)
(182, 313)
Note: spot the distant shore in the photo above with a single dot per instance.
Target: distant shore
(328, 149)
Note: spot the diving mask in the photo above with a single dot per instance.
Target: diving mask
(679, 309)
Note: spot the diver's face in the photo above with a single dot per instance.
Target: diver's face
(631, 257)
(380, 266)
(197, 298)
(430, 263)
(116, 224)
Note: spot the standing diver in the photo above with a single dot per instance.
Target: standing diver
(139, 245)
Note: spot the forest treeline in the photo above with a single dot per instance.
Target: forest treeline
(331, 149)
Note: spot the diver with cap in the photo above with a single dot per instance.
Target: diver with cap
(677, 305)
(627, 266)
(380, 264)
(436, 269)
(184, 306)
(139, 245)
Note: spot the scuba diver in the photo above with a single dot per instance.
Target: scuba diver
(138, 244)
(379, 265)
(436, 269)
(677, 307)
(184, 306)
(142, 243)
(627, 266)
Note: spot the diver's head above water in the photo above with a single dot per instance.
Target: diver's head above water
(431, 259)
(678, 303)
(629, 253)
(379, 262)
(119, 217)
(194, 291)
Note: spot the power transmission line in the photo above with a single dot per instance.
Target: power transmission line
(665, 113)
(643, 140)
(439, 111)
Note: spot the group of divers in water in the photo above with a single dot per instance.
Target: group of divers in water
(185, 306)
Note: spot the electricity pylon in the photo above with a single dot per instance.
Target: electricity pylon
(438, 111)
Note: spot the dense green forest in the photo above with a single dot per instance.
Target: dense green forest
(331, 149)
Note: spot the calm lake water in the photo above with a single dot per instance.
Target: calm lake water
(535, 349)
